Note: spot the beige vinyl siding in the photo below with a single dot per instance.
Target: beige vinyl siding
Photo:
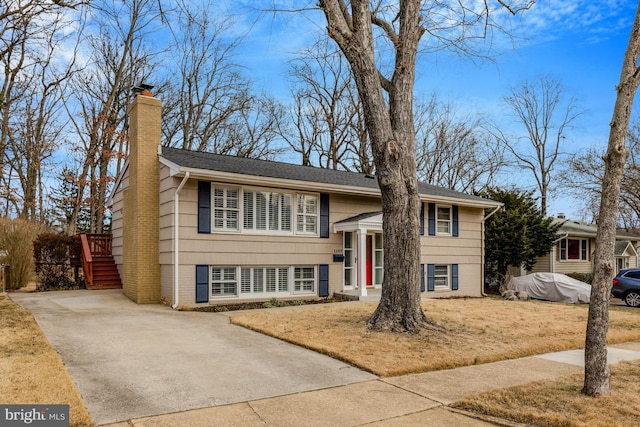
(543, 264)
(464, 250)
(633, 261)
(251, 248)
(566, 267)
(168, 186)
(116, 220)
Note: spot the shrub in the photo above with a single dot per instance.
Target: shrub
(51, 253)
(16, 243)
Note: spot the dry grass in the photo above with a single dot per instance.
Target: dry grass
(479, 330)
(31, 371)
(558, 402)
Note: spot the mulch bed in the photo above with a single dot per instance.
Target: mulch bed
(273, 302)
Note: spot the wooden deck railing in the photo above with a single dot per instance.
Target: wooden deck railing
(99, 244)
(93, 245)
(87, 259)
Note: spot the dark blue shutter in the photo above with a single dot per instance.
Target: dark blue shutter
(204, 207)
(431, 277)
(432, 219)
(202, 283)
(454, 277)
(421, 219)
(421, 277)
(324, 215)
(454, 217)
(323, 288)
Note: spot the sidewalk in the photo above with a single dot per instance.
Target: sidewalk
(409, 400)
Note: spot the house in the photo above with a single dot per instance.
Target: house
(576, 243)
(192, 228)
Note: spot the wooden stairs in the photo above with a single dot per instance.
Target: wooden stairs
(98, 265)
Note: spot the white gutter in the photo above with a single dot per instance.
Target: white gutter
(482, 250)
(176, 241)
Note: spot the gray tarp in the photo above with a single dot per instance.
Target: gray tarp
(552, 287)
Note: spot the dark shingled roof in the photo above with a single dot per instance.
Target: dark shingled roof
(271, 169)
(361, 217)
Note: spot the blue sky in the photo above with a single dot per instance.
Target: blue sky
(579, 43)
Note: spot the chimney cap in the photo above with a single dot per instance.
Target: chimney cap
(142, 89)
(561, 216)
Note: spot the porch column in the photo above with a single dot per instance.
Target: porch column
(362, 263)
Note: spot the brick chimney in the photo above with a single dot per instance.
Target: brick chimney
(141, 266)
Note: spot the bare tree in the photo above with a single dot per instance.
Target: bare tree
(208, 90)
(30, 98)
(584, 175)
(453, 149)
(119, 60)
(254, 131)
(24, 25)
(387, 100)
(596, 370)
(546, 112)
(326, 116)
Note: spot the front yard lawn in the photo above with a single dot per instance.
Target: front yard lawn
(478, 330)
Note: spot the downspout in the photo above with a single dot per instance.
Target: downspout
(482, 250)
(176, 241)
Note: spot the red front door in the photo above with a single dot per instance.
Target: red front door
(369, 260)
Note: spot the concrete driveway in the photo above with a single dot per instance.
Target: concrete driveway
(130, 361)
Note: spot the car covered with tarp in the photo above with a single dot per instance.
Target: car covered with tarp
(552, 287)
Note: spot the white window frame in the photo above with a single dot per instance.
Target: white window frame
(261, 274)
(225, 209)
(282, 211)
(448, 222)
(378, 259)
(436, 276)
(285, 281)
(563, 253)
(296, 280)
(222, 281)
(304, 219)
(349, 258)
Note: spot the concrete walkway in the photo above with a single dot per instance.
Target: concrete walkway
(174, 381)
(409, 400)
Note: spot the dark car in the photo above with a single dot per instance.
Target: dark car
(626, 286)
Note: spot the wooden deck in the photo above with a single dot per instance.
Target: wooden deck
(94, 254)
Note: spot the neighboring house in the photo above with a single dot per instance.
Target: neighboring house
(573, 251)
(192, 228)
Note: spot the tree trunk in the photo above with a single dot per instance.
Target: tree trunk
(596, 371)
(394, 150)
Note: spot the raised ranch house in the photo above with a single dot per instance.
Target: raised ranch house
(192, 228)
(573, 251)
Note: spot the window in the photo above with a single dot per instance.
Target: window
(443, 220)
(307, 214)
(223, 281)
(304, 279)
(266, 211)
(348, 259)
(441, 277)
(378, 260)
(226, 208)
(258, 280)
(574, 249)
